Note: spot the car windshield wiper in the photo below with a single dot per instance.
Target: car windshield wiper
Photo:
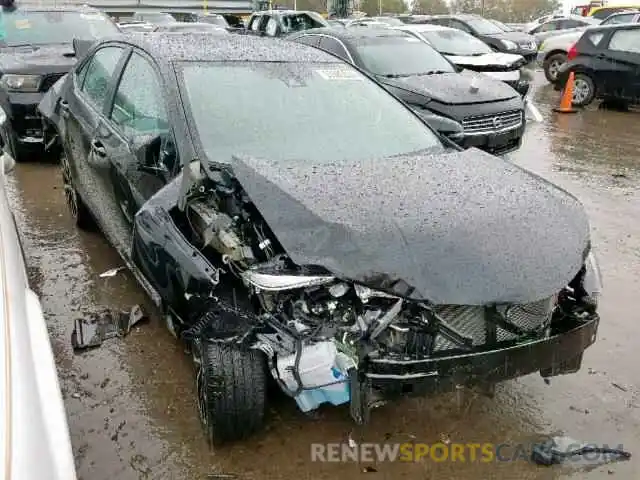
(417, 74)
(19, 45)
(431, 72)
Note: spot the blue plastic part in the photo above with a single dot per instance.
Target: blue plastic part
(336, 395)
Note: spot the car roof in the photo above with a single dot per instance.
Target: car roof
(352, 34)
(613, 26)
(631, 11)
(169, 47)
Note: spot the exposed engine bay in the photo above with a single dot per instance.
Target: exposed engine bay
(318, 331)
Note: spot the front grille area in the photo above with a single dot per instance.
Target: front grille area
(471, 321)
(492, 123)
(49, 80)
(26, 121)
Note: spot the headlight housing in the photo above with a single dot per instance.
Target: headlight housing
(509, 45)
(443, 125)
(20, 83)
(592, 281)
(274, 283)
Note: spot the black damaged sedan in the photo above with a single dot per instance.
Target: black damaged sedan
(298, 224)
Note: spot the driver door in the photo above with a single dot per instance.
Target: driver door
(137, 137)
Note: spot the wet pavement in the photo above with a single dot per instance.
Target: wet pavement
(131, 404)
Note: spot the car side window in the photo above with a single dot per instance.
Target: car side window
(625, 41)
(262, 24)
(311, 40)
(548, 27)
(139, 107)
(332, 45)
(98, 75)
(255, 22)
(460, 26)
(595, 38)
(574, 24)
(272, 27)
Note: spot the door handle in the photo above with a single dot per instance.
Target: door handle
(98, 148)
(64, 109)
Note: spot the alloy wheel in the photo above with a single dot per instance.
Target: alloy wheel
(554, 66)
(71, 196)
(581, 91)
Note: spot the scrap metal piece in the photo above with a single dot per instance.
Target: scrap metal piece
(92, 331)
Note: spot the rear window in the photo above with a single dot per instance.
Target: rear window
(23, 27)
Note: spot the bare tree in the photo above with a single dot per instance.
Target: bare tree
(429, 7)
(507, 10)
(372, 7)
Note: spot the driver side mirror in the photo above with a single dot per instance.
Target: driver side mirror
(152, 156)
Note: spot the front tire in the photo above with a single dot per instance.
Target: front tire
(584, 90)
(552, 64)
(231, 385)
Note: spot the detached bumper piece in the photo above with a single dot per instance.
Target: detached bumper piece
(504, 353)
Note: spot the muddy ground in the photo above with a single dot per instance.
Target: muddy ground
(131, 404)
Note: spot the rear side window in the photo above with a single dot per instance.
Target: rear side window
(625, 41)
(99, 74)
(594, 38)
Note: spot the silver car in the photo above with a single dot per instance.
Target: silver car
(34, 435)
(559, 26)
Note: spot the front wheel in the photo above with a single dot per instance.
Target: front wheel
(584, 90)
(231, 385)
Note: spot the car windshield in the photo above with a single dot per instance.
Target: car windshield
(297, 112)
(401, 56)
(483, 26)
(455, 42)
(24, 27)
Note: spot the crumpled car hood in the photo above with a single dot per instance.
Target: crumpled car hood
(455, 88)
(462, 228)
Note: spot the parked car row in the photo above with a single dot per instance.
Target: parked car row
(347, 274)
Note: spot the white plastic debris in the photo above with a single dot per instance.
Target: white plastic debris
(533, 111)
(111, 273)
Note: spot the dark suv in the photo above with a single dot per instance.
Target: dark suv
(606, 64)
(35, 51)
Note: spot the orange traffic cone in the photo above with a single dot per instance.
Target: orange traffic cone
(566, 102)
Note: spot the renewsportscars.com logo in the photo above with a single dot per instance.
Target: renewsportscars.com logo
(441, 452)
